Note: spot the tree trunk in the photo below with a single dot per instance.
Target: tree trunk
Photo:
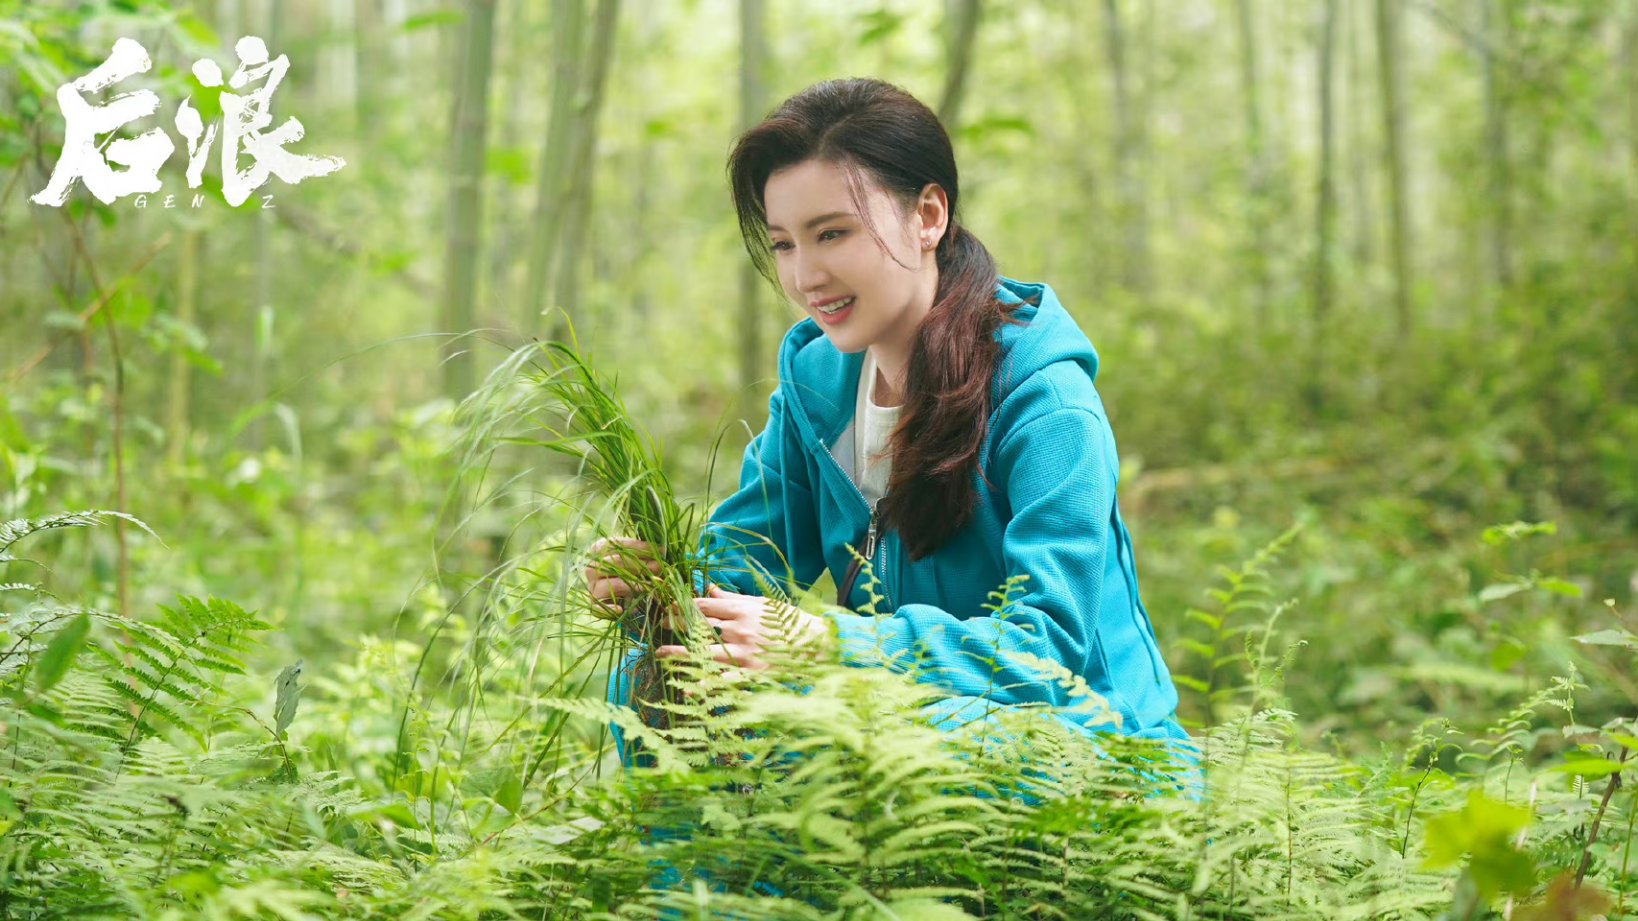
(1364, 212)
(1094, 259)
(1146, 159)
(228, 17)
(1324, 208)
(582, 170)
(965, 29)
(1389, 47)
(652, 37)
(262, 316)
(1631, 62)
(1500, 180)
(178, 398)
(752, 91)
(469, 124)
(506, 204)
(396, 76)
(338, 82)
(1256, 159)
(1132, 218)
(1631, 57)
(367, 26)
(568, 24)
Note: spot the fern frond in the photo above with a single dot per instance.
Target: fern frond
(11, 532)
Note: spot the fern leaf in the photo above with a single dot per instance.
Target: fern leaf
(15, 530)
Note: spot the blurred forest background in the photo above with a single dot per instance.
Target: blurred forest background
(1363, 276)
(1365, 266)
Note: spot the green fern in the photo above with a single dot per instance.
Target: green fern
(161, 670)
(1247, 593)
(11, 532)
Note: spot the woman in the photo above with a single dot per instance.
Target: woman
(934, 415)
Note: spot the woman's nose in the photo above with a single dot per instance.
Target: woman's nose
(810, 274)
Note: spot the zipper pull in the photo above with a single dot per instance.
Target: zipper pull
(870, 536)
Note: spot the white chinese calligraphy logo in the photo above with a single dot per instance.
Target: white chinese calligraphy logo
(245, 120)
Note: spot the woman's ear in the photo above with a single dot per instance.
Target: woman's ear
(932, 214)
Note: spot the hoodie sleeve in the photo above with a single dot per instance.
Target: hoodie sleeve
(1057, 471)
(768, 527)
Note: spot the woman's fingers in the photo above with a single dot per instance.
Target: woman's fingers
(610, 558)
(726, 653)
(609, 588)
(615, 562)
(610, 596)
(671, 620)
(619, 546)
(601, 582)
(615, 593)
(726, 627)
(723, 608)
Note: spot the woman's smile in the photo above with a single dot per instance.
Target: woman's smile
(836, 312)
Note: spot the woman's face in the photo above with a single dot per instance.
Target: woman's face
(826, 254)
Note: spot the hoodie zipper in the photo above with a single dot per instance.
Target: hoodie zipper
(872, 544)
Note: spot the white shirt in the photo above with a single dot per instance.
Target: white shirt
(872, 429)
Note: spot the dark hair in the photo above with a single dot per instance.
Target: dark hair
(873, 127)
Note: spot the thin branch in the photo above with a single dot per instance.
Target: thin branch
(1475, 39)
(333, 239)
(1598, 818)
(16, 175)
(92, 310)
(117, 399)
(1520, 68)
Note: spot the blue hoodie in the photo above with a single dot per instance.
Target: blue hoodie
(1048, 511)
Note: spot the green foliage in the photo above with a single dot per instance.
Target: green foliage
(1246, 595)
(60, 652)
(1449, 691)
(289, 697)
(1483, 831)
(811, 790)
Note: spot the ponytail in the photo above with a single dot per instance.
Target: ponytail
(931, 492)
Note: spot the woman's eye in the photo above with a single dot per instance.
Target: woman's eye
(784, 245)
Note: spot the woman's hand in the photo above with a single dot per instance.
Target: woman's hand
(747, 625)
(615, 563)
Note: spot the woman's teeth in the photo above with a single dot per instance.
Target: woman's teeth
(837, 307)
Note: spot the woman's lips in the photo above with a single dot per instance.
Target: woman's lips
(831, 319)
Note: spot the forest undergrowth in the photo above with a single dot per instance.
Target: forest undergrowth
(459, 765)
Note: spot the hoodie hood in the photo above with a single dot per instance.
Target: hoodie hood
(825, 381)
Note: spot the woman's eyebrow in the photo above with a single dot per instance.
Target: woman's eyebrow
(814, 222)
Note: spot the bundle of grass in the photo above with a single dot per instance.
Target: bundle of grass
(590, 423)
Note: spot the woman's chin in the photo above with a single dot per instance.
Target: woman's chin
(845, 343)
